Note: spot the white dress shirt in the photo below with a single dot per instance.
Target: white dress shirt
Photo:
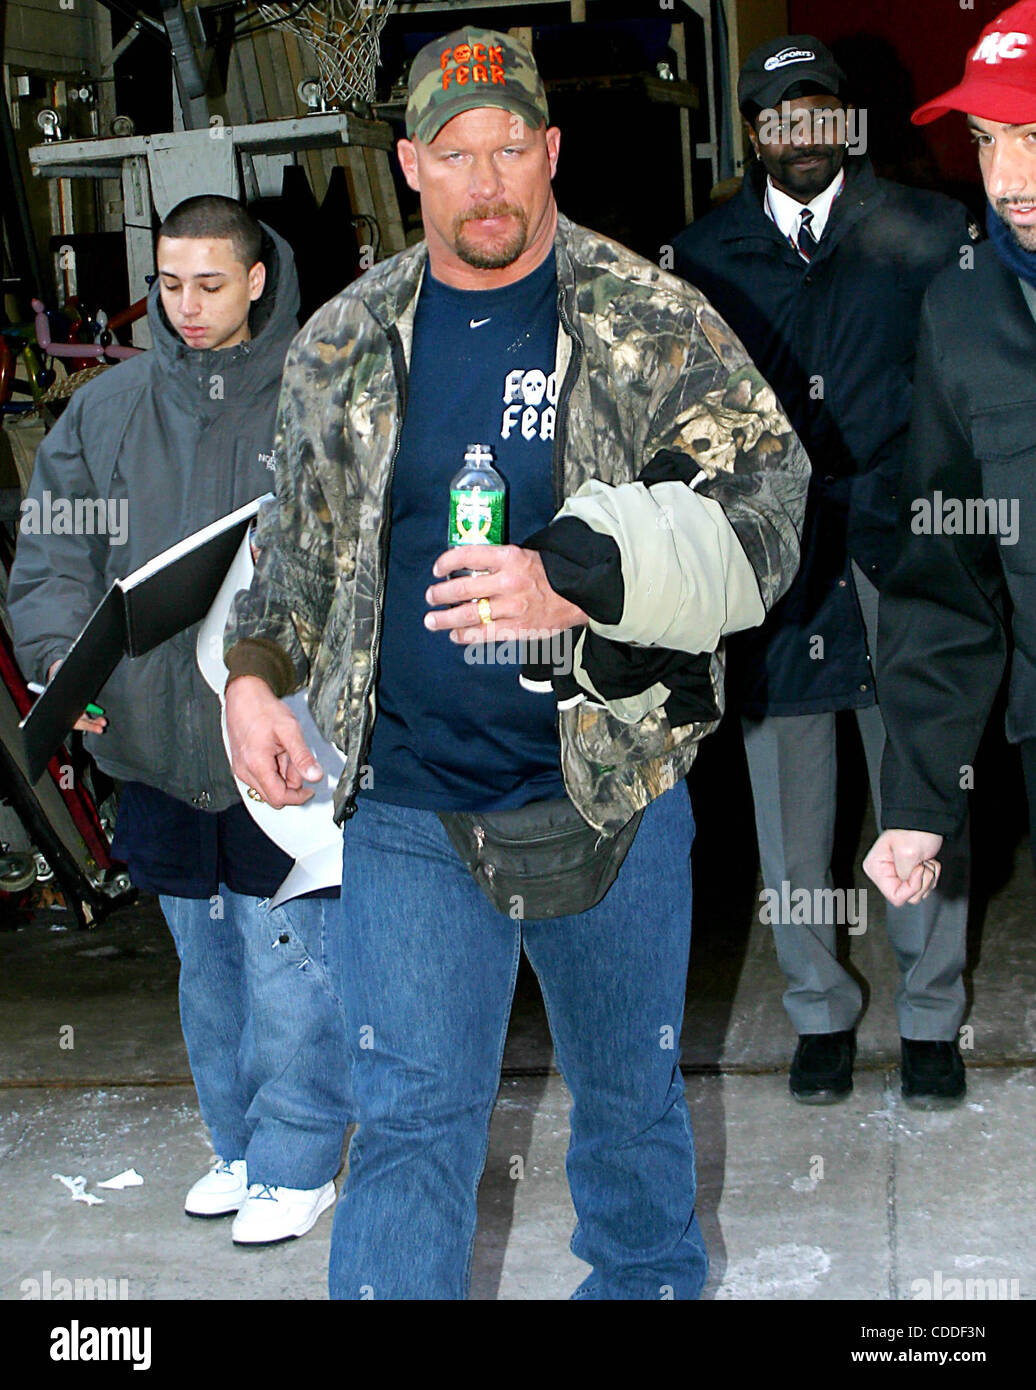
(787, 212)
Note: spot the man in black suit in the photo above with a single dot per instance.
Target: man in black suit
(820, 267)
(961, 598)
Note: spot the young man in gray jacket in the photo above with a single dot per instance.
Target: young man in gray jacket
(171, 440)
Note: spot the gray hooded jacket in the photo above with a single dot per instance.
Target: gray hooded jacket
(170, 440)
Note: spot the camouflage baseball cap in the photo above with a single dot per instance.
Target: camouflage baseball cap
(469, 68)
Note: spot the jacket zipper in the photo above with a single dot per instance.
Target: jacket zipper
(560, 436)
(561, 416)
(400, 369)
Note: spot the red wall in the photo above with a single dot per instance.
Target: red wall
(929, 38)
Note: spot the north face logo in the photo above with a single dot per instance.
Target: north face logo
(995, 48)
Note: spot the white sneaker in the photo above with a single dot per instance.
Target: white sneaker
(270, 1214)
(221, 1191)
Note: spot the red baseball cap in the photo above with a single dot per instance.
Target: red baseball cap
(999, 82)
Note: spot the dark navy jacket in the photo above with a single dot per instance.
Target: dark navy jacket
(960, 602)
(836, 339)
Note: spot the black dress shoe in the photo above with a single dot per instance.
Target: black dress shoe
(822, 1068)
(933, 1074)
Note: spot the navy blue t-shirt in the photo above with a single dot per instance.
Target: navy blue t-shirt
(449, 734)
(170, 847)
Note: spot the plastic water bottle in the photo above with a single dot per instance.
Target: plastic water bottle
(478, 496)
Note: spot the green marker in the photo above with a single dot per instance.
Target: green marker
(94, 711)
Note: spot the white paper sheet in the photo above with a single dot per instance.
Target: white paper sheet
(308, 832)
(129, 1178)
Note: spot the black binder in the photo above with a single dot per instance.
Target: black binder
(161, 598)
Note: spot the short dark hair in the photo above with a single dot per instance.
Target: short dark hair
(213, 215)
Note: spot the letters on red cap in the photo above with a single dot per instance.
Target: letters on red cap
(999, 82)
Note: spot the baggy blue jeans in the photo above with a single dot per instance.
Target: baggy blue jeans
(427, 970)
(263, 1029)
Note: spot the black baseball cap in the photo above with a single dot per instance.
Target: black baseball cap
(774, 67)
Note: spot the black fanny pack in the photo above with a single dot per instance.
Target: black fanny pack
(541, 860)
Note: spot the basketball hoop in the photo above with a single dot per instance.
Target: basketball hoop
(343, 35)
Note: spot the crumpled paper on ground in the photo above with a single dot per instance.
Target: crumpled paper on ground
(77, 1187)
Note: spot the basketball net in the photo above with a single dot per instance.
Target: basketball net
(343, 35)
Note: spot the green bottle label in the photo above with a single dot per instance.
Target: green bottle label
(476, 517)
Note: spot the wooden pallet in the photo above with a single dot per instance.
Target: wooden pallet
(262, 82)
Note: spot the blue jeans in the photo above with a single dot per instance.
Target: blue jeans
(427, 970)
(263, 1030)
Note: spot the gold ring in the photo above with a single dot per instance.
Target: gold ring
(253, 794)
(485, 613)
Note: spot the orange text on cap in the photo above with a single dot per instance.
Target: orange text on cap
(472, 63)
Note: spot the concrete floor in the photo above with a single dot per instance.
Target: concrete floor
(858, 1201)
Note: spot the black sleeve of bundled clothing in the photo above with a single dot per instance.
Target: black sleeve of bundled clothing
(582, 566)
(942, 640)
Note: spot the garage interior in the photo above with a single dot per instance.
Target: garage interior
(112, 113)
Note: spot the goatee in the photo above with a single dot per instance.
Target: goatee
(807, 183)
(493, 254)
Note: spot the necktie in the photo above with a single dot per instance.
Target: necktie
(807, 242)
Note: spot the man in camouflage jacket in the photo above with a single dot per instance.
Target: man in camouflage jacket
(656, 386)
(678, 493)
